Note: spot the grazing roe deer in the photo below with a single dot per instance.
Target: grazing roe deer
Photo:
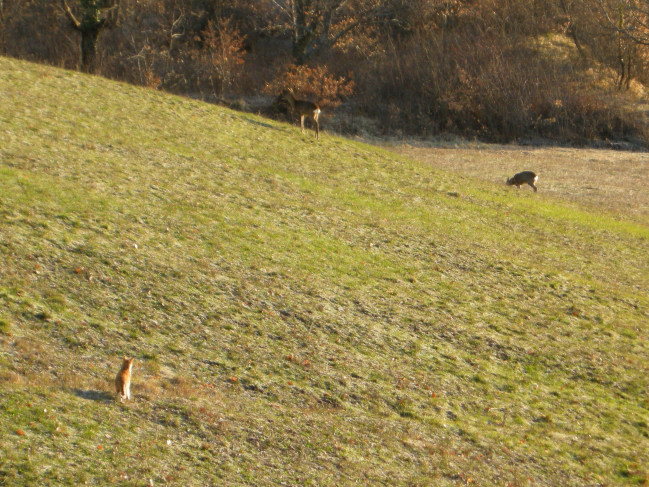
(525, 177)
(304, 109)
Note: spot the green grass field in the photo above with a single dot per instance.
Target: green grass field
(300, 312)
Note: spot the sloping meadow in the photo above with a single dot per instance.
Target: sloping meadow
(301, 312)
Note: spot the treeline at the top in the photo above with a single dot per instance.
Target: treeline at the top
(498, 70)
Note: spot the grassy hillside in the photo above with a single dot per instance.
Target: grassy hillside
(301, 312)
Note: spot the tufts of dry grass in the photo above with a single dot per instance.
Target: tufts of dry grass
(301, 312)
(603, 180)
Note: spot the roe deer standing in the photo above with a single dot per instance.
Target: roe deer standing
(524, 177)
(304, 109)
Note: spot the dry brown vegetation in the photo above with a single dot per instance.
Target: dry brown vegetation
(485, 69)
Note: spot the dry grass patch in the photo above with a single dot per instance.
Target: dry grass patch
(604, 180)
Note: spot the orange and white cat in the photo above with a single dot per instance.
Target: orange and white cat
(123, 380)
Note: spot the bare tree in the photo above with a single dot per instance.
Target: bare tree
(626, 23)
(223, 55)
(317, 25)
(572, 28)
(96, 15)
(628, 17)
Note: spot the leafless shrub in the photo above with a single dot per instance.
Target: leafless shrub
(222, 56)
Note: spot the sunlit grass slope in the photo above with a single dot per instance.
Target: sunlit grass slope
(301, 312)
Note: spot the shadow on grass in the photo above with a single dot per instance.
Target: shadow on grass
(261, 124)
(100, 396)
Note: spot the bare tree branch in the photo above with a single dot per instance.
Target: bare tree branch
(112, 15)
(73, 20)
(317, 25)
(631, 22)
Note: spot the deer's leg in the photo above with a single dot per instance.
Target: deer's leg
(302, 122)
(532, 184)
(317, 125)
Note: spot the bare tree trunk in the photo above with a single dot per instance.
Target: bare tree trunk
(3, 47)
(89, 38)
(94, 19)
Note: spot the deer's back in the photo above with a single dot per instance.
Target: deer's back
(524, 177)
(304, 107)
